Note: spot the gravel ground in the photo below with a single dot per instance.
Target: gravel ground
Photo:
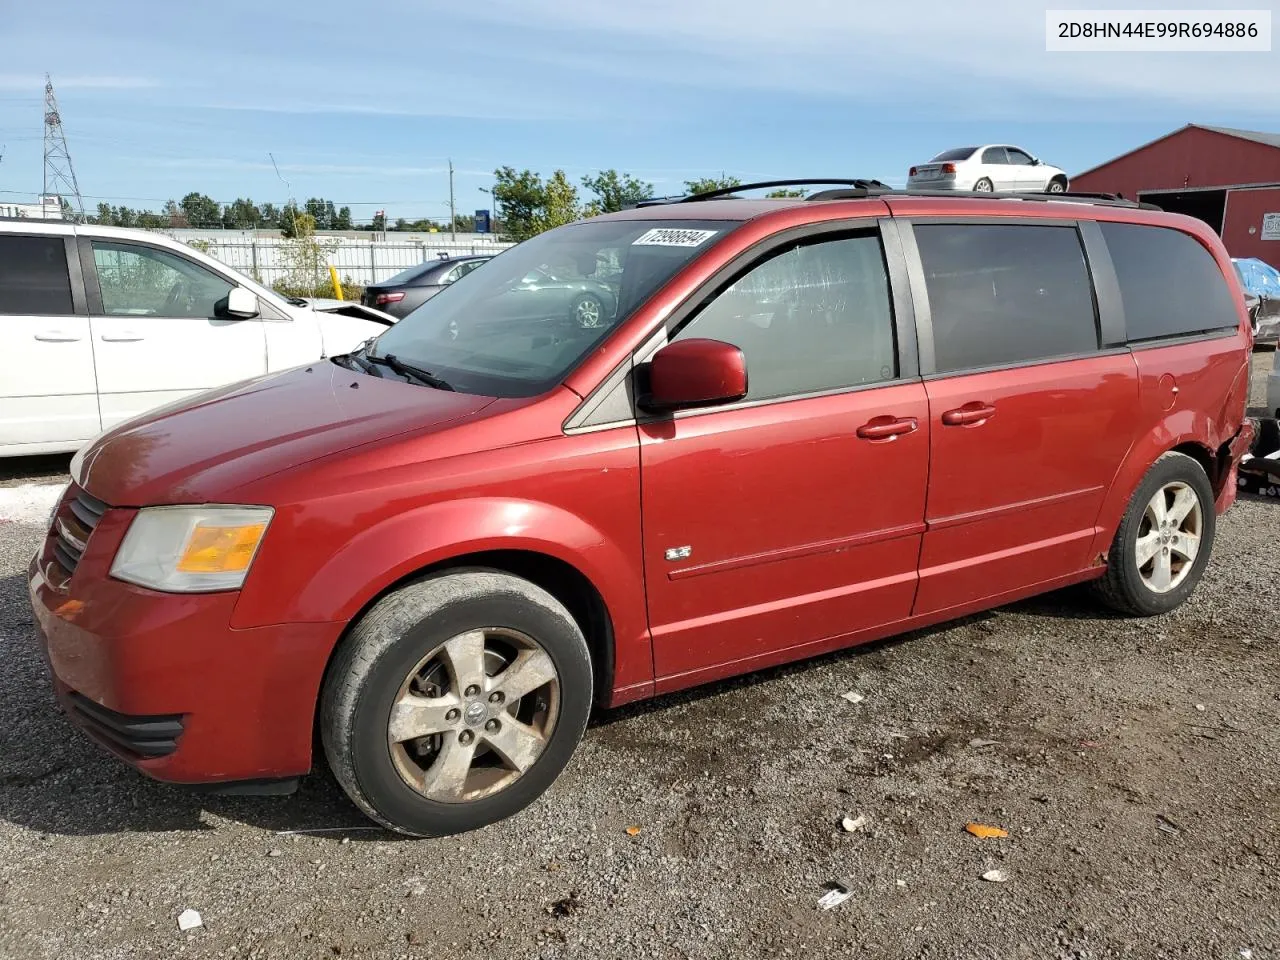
(1135, 765)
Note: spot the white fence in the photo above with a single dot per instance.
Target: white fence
(361, 262)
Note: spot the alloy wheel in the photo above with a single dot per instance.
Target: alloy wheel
(474, 715)
(1169, 537)
(587, 312)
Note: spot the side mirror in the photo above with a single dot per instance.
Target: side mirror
(695, 373)
(238, 304)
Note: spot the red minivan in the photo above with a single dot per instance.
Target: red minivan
(800, 425)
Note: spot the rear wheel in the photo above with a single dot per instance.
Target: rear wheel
(984, 186)
(1164, 541)
(455, 702)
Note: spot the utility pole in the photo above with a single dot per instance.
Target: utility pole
(59, 175)
(453, 216)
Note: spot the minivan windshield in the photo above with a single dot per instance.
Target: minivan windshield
(517, 324)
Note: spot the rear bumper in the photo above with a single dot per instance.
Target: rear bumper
(1235, 448)
(163, 682)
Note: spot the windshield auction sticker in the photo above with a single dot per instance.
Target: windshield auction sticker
(670, 237)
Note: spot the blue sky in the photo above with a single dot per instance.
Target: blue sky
(364, 103)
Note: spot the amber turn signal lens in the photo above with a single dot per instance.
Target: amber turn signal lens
(213, 549)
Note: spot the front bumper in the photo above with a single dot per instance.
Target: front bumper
(164, 682)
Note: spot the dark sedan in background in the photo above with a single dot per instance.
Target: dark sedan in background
(409, 289)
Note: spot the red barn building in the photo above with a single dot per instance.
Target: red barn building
(1228, 178)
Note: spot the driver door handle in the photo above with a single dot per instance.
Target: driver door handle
(887, 428)
(56, 336)
(124, 336)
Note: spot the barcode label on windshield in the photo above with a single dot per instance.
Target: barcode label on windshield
(669, 237)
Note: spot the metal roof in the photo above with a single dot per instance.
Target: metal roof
(1257, 136)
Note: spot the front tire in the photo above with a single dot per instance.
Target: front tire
(588, 312)
(1164, 541)
(1056, 185)
(455, 702)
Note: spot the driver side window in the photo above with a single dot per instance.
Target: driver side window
(813, 318)
(138, 281)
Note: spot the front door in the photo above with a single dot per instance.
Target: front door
(1028, 176)
(1029, 418)
(794, 516)
(48, 392)
(155, 334)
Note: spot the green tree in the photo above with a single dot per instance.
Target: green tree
(243, 214)
(522, 198)
(560, 202)
(105, 216)
(201, 211)
(342, 220)
(323, 212)
(784, 194)
(270, 216)
(707, 184)
(379, 221)
(152, 221)
(125, 217)
(173, 215)
(614, 191)
(294, 223)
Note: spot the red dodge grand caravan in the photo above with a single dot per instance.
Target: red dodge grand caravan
(777, 428)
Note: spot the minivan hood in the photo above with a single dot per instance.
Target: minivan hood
(200, 449)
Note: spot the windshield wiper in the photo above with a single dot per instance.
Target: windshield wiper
(425, 377)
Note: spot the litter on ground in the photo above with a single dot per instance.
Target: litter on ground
(984, 831)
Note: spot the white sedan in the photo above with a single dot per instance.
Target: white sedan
(987, 169)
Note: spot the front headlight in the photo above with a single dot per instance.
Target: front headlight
(191, 549)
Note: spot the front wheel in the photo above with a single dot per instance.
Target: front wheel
(588, 311)
(1164, 541)
(1056, 185)
(455, 702)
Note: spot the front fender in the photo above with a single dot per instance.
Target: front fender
(396, 547)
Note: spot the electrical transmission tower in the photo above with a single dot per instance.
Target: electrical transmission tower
(59, 175)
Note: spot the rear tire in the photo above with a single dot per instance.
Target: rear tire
(984, 185)
(1170, 516)
(410, 759)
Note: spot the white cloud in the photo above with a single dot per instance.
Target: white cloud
(935, 54)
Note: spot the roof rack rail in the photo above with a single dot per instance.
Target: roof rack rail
(858, 189)
(724, 192)
(1099, 199)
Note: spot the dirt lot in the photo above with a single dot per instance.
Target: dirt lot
(1136, 766)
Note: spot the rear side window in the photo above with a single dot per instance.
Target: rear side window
(1170, 285)
(33, 277)
(815, 317)
(1002, 294)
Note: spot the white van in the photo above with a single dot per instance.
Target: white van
(100, 324)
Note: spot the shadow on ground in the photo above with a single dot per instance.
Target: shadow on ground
(54, 780)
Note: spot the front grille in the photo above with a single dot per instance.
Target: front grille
(72, 527)
(145, 736)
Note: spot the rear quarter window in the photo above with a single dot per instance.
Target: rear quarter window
(1170, 284)
(33, 276)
